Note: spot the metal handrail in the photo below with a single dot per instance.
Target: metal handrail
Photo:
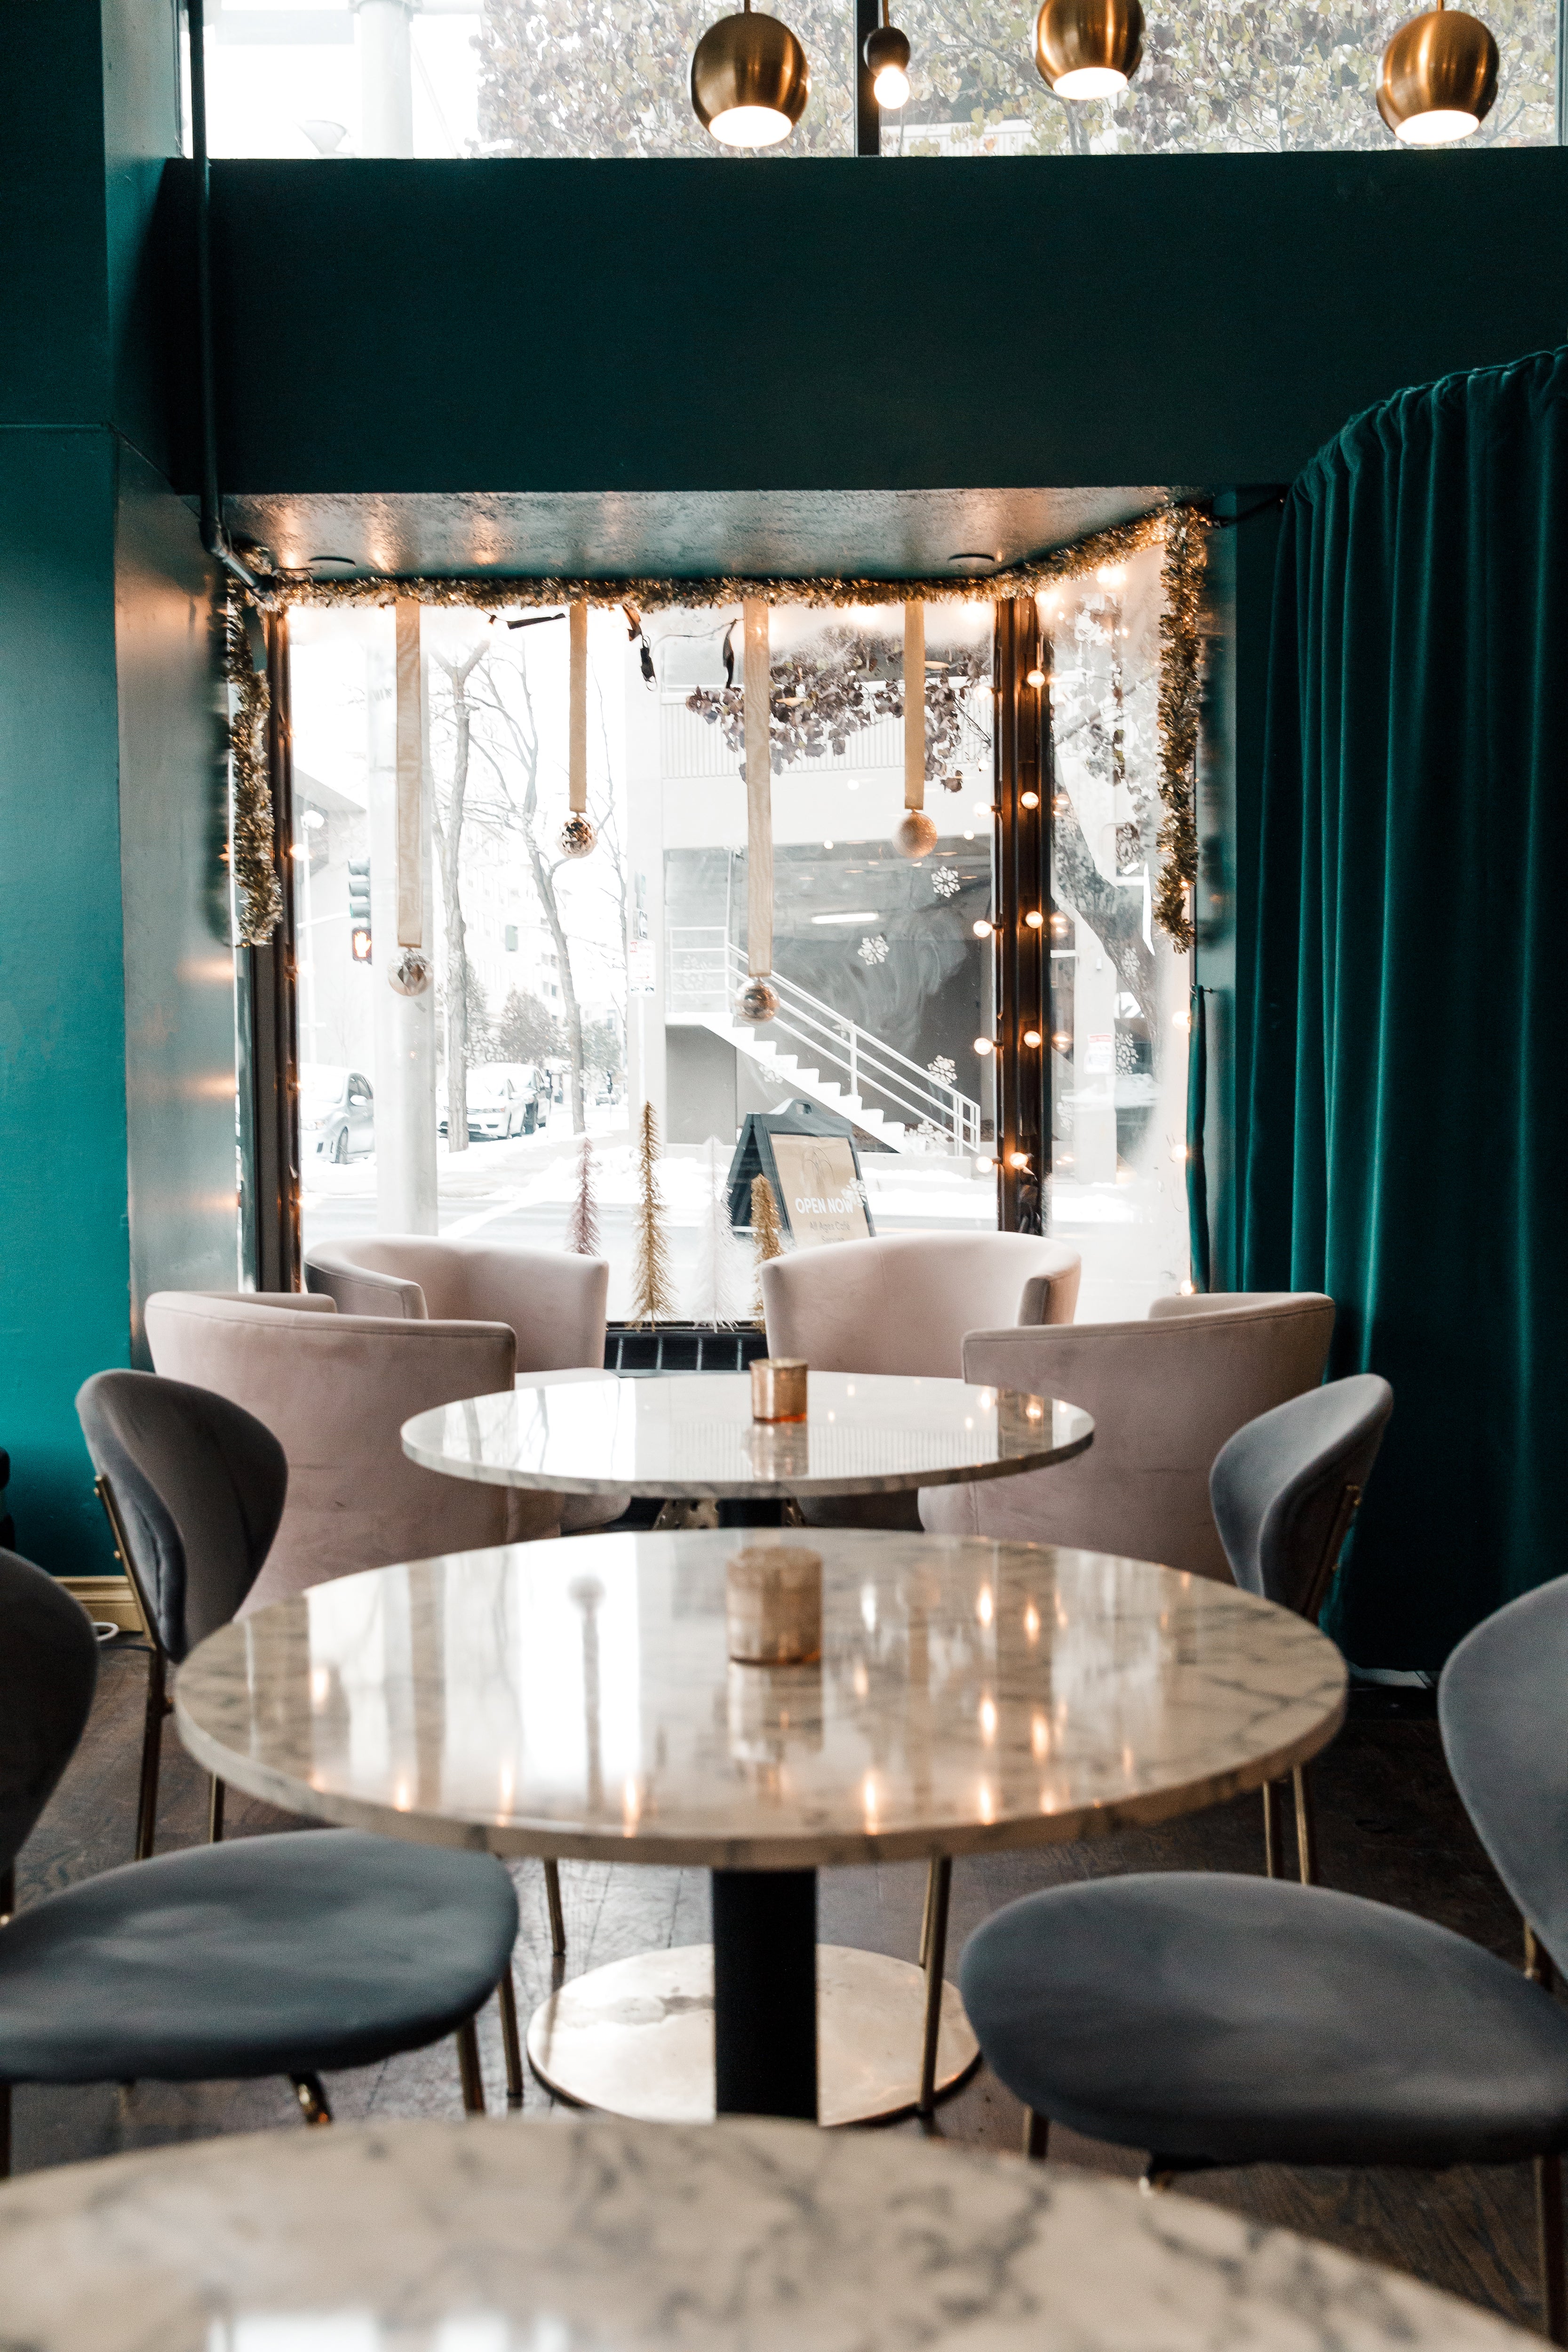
(866, 1059)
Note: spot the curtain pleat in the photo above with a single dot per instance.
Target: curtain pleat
(1406, 1097)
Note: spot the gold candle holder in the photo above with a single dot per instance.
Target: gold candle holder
(778, 1388)
(773, 1605)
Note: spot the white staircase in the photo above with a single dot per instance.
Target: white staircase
(705, 970)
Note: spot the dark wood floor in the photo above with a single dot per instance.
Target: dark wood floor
(1391, 1826)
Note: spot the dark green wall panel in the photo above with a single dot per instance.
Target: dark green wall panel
(1200, 320)
(179, 967)
(62, 1005)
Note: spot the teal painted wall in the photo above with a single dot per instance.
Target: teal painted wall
(1210, 320)
(117, 1167)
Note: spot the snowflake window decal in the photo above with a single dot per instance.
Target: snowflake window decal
(945, 882)
(944, 1069)
(873, 950)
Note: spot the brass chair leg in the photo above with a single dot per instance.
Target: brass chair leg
(1273, 1829)
(1549, 2221)
(511, 2041)
(1306, 1826)
(473, 2080)
(310, 2092)
(925, 1915)
(152, 1745)
(1036, 2135)
(215, 1811)
(557, 1916)
(941, 1888)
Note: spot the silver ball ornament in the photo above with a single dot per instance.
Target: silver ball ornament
(577, 835)
(916, 835)
(411, 975)
(756, 1002)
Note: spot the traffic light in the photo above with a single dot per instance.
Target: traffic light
(358, 908)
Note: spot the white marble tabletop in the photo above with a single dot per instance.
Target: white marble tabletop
(692, 1436)
(576, 1698)
(582, 2235)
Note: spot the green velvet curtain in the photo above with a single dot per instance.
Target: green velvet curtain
(1406, 1102)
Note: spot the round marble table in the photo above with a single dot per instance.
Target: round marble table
(578, 2235)
(689, 1437)
(575, 1699)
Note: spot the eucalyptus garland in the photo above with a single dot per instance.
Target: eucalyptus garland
(253, 843)
(1179, 528)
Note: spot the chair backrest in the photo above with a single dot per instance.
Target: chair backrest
(335, 1389)
(198, 1485)
(1165, 1395)
(903, 1302)
(1285, 1488)
(49, 1665)
(553, 1300)
(1501, 1704)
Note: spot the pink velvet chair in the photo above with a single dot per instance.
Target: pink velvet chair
(902, 1303)
(335, 1389)
(1165, 1394)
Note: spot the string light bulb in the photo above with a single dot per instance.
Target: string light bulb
(985, 1165)
(984, 1046)
(1018, 1159)
(750, 79)
(886, 55)
(982, 928)
(1034, 918)
(1037, 676)
(1088, 48)
(1438, 80)
(1031, 1036)
(1028, 800)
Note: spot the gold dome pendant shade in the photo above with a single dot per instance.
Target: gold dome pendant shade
(1439, 77)
(1088, 48)
(750, 79)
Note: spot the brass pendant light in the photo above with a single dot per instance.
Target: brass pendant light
(886, 55)
(1439, 77)
(750, 79)
(1088, 48)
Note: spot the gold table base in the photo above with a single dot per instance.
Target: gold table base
(637, 2037)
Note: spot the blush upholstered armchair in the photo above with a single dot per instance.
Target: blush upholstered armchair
(1165, 1394)
(335, 1389)
(902, 1303)
(553, 1300)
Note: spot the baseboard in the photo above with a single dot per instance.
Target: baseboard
(108, 1598)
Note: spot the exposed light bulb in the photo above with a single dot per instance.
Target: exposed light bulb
(1036, 677)
(751, 126)
(984, 1046)
(1018, 1159)
(1028, 800)
(1034, 918)
(985, 1165)
(982, 929)
(1031, 1036)
(892, 87)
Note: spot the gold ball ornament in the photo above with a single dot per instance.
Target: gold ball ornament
(916, 835)
(750, 79)
(1088, 48)
(576, 836)
(1439, 77)
(756, 1002)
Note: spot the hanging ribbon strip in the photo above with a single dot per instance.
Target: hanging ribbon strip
(759, 792)
(253, 849)
(410, 779)
(577, 739)
(914, 706)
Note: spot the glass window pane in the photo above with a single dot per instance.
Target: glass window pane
(1218, 76)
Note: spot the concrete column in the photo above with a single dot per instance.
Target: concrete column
(646, 1073)
(405, 1026)
(386, 78)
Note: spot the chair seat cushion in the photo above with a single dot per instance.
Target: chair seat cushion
(316, 1948)
(1238, 2020)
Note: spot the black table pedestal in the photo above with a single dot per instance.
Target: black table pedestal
(765, 1992)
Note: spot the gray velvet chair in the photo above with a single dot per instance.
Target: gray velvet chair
(291, 1955)
(1213, 2019)
(195, 1488)
(1284, 1492)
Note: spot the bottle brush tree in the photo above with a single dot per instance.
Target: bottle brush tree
(767, 1235)
(583, 1220)
(653, 1286)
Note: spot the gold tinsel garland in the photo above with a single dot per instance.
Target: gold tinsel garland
(1179, 529)
(1181, 654)
(253, 844)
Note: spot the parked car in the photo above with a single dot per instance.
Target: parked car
(337, 1112)
(525, 1079)
(497, 1106)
